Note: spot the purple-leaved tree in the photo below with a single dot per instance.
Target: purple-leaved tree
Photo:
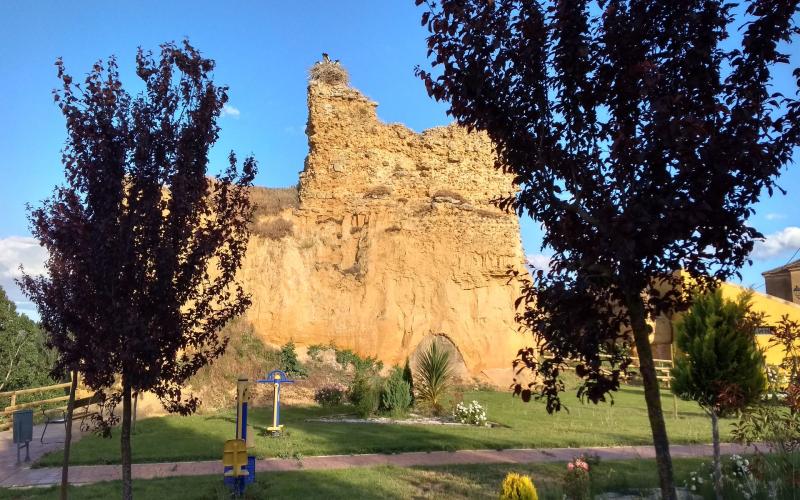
(143, 246)
(640, 140)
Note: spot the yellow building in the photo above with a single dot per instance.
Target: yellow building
(772, 307)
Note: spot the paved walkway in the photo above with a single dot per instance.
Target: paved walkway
(53, 440)
(20, 476)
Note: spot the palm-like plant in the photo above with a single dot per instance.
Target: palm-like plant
(433, 376)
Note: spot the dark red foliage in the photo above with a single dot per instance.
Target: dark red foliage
(637, 140)
(143, 246)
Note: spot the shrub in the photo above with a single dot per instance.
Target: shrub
(330, 72)
(409, 377)
(369, 403)
(370, 364)
(365, 391)
(777, 426)
(246, 355)
(748, 478)
(433, 377)
(330, 395)
(274, 229)
(289, 362)
(472, 414)
(314, 351)
(518, 487)
(269, 202)
(346, 357)
(721, 367)
(776, 421)
(576, 481)
(365, 394)
(249, 345)
(396, 394)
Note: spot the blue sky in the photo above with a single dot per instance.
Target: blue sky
(263, 51)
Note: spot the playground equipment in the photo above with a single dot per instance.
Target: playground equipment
(236, 474)
(276, 377)
(239, 468)
(242, 402)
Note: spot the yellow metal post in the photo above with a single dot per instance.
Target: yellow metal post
(242, 406)
(275, 402)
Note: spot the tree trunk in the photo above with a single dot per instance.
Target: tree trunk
(717, 460)
(125, 439)
(652, 395)
(68, 436)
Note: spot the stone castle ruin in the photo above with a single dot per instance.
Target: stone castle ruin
(389, 242)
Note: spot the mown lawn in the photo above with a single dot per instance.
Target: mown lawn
(463, 481)
(525, 425)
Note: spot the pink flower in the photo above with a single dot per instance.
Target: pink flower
(570, 466)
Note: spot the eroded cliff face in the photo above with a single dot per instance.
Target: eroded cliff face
(394, 240)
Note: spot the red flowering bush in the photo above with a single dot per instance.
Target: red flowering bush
(576, 480)
(330, 395)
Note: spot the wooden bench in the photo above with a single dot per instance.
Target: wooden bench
(82, 409)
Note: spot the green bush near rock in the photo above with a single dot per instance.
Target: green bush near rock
(289, 362)
(396, 394)
(365, 394)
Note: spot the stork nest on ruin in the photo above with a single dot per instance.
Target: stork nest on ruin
(330, 72)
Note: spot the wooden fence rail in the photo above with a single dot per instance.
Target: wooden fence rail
(13, 394)
(6, 412)
(663, 372)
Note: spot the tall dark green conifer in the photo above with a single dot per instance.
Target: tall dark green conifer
(719, 365)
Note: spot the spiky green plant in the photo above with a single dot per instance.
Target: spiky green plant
(433, 376)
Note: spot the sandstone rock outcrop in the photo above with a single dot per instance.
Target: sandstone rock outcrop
(393, 239)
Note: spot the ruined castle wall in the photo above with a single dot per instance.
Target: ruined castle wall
(394, 240)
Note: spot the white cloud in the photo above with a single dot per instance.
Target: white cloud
(775, 216)
(16, 250)
(228, 110)
(538, 261)
(775, 244)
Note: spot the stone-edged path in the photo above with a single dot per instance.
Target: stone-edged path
(85, 474)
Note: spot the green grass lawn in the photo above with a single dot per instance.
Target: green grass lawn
(463, 481)
(526, 425)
